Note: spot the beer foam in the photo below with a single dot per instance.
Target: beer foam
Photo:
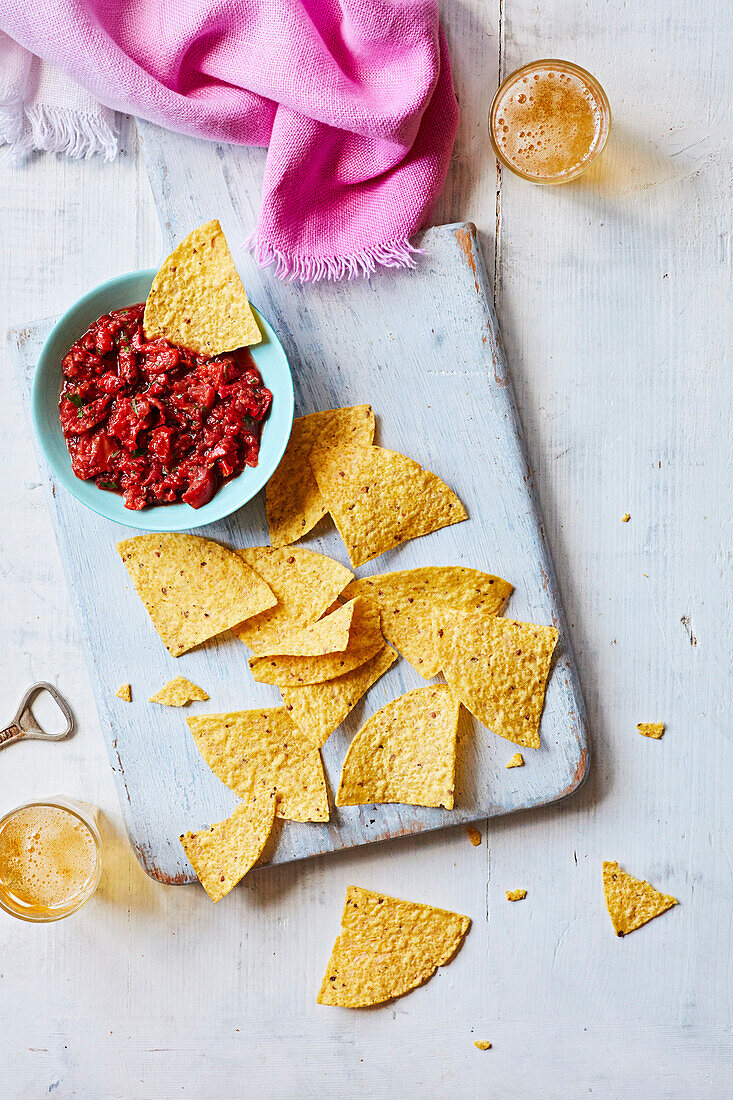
(547, 123)
(48, 857)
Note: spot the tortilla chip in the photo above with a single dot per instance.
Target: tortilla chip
(386, 948)
(124, 691)
(651, 729)
(293, 500)
(363, 642)
(178, 693)
(631, 901)
(405, 753)
(516, 761)
(482, 1044)
(626, 517)
(317, 709)
(192, 588)
(306, 585)
(498, 669)
(473, 835)
(515, 895)
(222, 854)
(328, 635)
(407, 600)
(197, 300)
(267, 745)
(334, 607)
(380, 498)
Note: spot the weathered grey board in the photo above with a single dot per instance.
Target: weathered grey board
(422, 346)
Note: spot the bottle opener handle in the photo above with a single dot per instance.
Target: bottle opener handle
(24, 724)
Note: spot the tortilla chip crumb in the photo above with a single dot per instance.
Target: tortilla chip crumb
(517, 761)
(516, 895)
(651, 729)
(625, 517)
(482, 1044)
(124, 691)
(473, 835)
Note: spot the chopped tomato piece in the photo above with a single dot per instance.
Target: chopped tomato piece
(201, 487)
(155, 422)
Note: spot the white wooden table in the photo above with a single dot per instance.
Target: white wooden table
(613, 296)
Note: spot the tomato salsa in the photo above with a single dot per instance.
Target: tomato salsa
(157, 423)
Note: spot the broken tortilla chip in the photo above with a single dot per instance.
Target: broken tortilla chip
(407, 600)
(387, 947)
(405, 753)
(318, 709)
(222, 854)
(192, 588)
(516, 761)
(498, 669)
(265, 745)
(178, 693)
(515, 895)
(356, 623)
(380, 498)
(651, 729)
(631, 901)
(124, 691)
(306, 585)
(197, 299)
(293, 500)
(482, 1044)
(473, 835)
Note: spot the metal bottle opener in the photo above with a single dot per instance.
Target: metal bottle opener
(24, 724)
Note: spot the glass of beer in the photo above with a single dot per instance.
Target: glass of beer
(549, 121)
(50, 859)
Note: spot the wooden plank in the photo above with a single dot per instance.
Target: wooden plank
(347, 343)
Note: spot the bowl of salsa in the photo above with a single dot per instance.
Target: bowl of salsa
(151, 435)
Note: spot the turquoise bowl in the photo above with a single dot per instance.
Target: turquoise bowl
(126, 290)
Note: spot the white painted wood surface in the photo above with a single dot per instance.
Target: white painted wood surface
(613, 297)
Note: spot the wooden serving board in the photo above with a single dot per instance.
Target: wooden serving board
(422, 347)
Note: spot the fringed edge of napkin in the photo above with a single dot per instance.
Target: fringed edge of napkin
(308, 269)
(56, 130)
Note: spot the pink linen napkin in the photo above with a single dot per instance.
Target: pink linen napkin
(354, 99)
